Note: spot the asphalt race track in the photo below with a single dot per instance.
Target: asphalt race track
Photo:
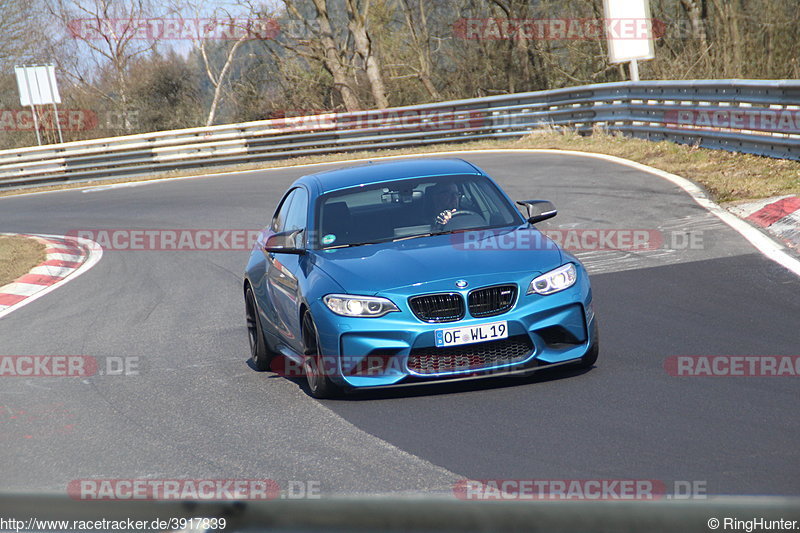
(197, 409)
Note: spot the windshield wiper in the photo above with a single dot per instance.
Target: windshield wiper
(452, 231)
(430, 234)
(354, 244)
(351, 245)
(412, 237)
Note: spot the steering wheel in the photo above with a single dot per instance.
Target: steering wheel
(462, 214)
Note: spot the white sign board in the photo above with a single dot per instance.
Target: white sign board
(37, 85)
(629, 30)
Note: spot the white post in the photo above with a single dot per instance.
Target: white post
(36, 124)
(634, 70)
(55, 110)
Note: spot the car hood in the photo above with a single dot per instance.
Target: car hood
(476, 256)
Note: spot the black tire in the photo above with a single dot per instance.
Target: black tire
(260, 353)
(319, 384)
(590, 357)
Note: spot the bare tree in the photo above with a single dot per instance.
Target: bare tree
(111, 32)
(522, 51)
(417, 24)
(320, 43)
(358, 13)
(218, 78)
(18, 34)
(217, 21)
(344, 54)
(697, 13)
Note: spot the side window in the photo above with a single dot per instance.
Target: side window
(279, 220)
(296, 218)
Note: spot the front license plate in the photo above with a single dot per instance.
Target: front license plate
(471, 334)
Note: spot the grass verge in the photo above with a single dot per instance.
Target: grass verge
(727, 176)
(17, 256)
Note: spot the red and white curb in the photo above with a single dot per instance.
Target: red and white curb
(779, 216)
(66, 259)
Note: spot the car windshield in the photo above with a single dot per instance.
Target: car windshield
(410, 208)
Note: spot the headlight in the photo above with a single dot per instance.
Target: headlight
(556, 280)
(363, 306)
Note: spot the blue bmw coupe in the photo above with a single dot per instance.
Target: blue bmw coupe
(409, 272)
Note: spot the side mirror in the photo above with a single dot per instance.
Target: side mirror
(539, 210)
(284, 242)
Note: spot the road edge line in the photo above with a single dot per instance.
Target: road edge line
(768, 246)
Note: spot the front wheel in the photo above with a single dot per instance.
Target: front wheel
(319, 384)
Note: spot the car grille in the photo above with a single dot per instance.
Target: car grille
(471, 356)
(491, 301)
(444, 307)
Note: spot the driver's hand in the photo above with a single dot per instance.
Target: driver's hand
(445, 216)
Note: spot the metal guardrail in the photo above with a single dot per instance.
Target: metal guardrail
(752, 116)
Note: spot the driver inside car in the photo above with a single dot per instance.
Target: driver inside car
(445, 202)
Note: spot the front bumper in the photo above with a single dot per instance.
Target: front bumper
(376, 352)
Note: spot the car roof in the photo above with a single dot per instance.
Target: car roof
(332, 180)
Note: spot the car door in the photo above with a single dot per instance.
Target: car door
(283, 268)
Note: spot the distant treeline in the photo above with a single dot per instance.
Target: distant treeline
(133, 66)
